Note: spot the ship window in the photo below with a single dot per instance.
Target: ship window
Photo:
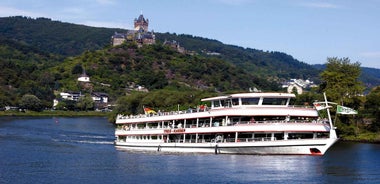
(300, 135)
(250, 101)
(274, 101)
(279, 136)
(217, 103)
(323, 135)
(235, 101)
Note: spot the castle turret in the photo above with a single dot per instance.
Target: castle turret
(141, 23)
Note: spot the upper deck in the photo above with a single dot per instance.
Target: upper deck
(241, 104)
(250, 99)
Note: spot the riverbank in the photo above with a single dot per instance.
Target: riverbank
(368, 137)
(55, 113)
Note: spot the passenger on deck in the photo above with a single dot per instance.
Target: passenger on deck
(252, 120)
(287, 119)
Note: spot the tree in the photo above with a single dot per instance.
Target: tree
(372, 106)
(86, 103)
(31, 102)
(67, 105)
(77, 69)
(130, 104)
(307, 98)
(341, 81)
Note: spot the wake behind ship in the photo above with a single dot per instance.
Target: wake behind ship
(243, 123)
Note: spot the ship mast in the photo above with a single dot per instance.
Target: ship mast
(332, 128)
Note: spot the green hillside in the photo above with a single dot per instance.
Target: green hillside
(55, 37)
(35, 61)
(39, 56)
(275, 65)
(70, 40)
(24, 69)
(155, 67)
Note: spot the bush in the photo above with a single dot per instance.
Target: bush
(31, 102)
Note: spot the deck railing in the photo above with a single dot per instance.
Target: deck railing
(227, 140)
(241, 123)
(190, 110)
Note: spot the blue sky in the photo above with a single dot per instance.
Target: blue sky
(309, 30)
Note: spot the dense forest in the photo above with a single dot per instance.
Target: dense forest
(24, 70)
(41, 58)
(55, 37)
(277, 65)
(154, 67)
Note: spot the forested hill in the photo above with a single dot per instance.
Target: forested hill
(66, 39)
(24, 70)
(55, 37)
(70, 39)
(264, 63)
(33, 66)
(113, 69)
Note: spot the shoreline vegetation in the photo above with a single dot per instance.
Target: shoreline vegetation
(368, 137)
(371, 137)
(55, 113)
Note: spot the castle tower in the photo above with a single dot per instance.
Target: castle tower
(141, 23)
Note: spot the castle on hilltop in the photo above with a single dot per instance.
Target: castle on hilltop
(140, 34)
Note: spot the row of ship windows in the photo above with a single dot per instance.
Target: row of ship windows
(249, 101)
(228, 137)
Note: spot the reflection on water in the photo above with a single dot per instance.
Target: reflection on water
(354, 162)
(81, 150)
(197, 168)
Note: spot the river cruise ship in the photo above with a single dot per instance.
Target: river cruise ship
(243, 123)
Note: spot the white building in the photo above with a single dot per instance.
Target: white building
(71, 95)
(99, 97)
(298, 84)
(84, 78)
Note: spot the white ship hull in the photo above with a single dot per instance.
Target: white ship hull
(282, 147)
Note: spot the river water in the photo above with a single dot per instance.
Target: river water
(81, 150)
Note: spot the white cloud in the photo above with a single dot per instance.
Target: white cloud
(74, 10)
(323, 5)
(9, 11)
(107, 24)
(372, 54)
(236, 2)
(72, 14)
(106, 2)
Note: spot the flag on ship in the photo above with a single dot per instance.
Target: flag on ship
(149, 110)
(345, 110)
(320, 106)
